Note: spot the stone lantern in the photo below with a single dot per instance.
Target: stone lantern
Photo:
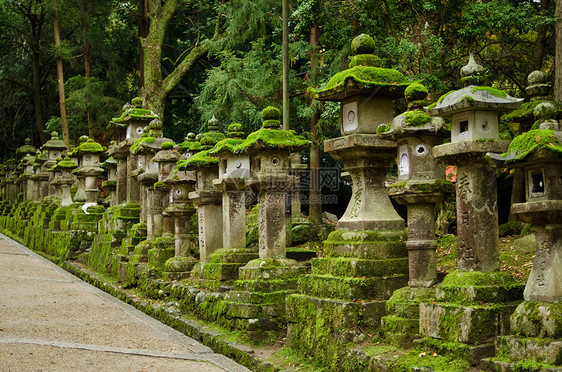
(365, 258)
(110, 185)
(41, 174)
(269, 149)
(421, 185)
(536, 330)
(28, 148)
(234, 169)
(27, 177)
(128, 127)
(207, 199)
(54, 148)
(89, 153)
(62, 174)
(166, 158)
(474, 112)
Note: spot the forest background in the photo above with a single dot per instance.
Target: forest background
(70, 65)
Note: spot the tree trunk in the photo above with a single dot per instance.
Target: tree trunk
(315, 191)
(37, 101)
(60, 78)
(540, 43)
(87, 69)
(558, 54)
(143, 26)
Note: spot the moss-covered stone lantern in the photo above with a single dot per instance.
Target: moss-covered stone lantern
(54, 148)
(478, 287)
(275, 275)
(41, 174)
(128, 128)
(234, 169)
(207, 199)
(536, 326)
(365, 258)
(27, 177)
(180, 183)
(90, 171)
(64, 178)
(421, 185)
(110, 185)
(27, 148)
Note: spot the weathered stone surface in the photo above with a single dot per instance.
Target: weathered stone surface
(538, 319)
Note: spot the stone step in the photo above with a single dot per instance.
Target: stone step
(476, 324)
(232, 255)
(473, 354)
(396, 324)
(221, 271)
(540, 350)
(268, 286)
(257, 297)
(354, 267)
(254, 311)
(351, 289)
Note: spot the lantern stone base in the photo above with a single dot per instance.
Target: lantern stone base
(179, 267)
(342, 300)
(471, 308)
(163, 249)
(401, 325)
(536, 338)
(257, 303)
(223, 264)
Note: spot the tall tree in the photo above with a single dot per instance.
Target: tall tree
(87, 67)
(60, 76)
(558, 64)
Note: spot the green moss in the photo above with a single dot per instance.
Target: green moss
(66, 163)
(415, 91)
(523, 113)
(493, 91)
(136, 147)
(191, 145)
(211, 138)
(272, 138)
(366, 77)
(109, 183)
(89, 146)
(226, 145)
(365, 60)
(273, 124)
(534, 140)
(167, 145)
(440, 100)
(363, 44)
(416, 118)
(200, 160)
(271, 113)
(529, 365)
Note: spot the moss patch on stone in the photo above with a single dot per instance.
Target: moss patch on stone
(272, 138)
(534, 140)
(135, 148)
(416, 118)
(493, 91)
(200, 160)
(365, 77)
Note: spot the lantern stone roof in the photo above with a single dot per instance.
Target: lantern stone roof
(89, 146)
(235, 136)
(110, 162)
(27, 148)
(270, 136)
(54, 143)
(364, 76)
(472, 96)
(415, 121)
(534, 144)
(133, 111)
(65, 163)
